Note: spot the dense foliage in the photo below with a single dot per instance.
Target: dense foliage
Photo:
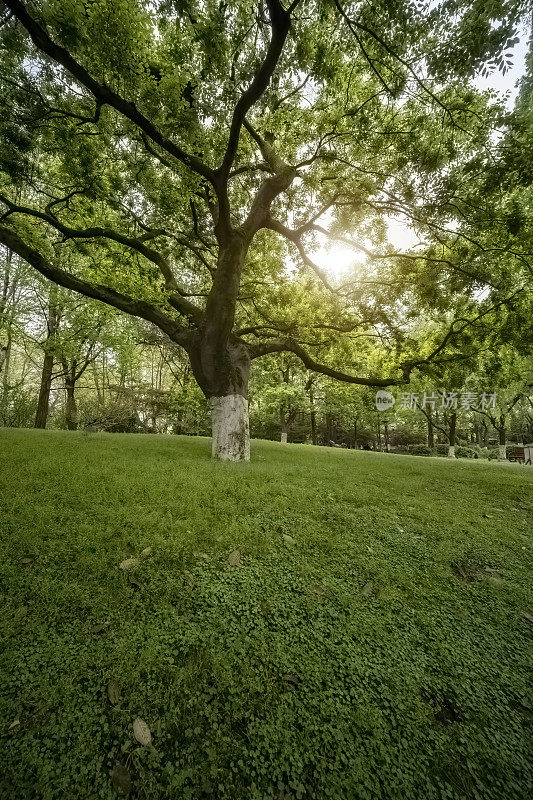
(174, 159)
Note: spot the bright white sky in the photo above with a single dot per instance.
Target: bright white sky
(338, 259)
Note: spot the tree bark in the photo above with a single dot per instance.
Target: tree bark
(452, 428)
(71, 409)
(312, 415)
(43, 403)
(5, 322)
(431, 432)
(329, 429)
(502, 450)
(222, 372)
(231, 428)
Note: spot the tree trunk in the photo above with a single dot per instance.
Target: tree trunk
(313, 427)
(222, 372)
(5, 321)
(502, 450)
(71, 409)
(386, 430)
(431, 431)
(231, 428)
(43, 402)
(452, 427)
(355, 434)
(284, 426)
(313, 415)
(329, 429)
(5, 358)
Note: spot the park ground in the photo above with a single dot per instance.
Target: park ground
(318, 623)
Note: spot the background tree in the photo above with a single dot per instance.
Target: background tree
(176, 166)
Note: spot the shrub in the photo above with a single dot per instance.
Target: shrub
(421, 450)
(113, 417)
(17, 408)
(465, 452)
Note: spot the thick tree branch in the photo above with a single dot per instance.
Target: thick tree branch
(102, 93)
(61, 277)
(290, 346)
(453, 331)
(294, 237)
(280, 21)
(176, 296)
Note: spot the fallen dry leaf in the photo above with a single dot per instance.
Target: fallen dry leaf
(113, 692)
(141, 731)
(128, 563)
(234, 558)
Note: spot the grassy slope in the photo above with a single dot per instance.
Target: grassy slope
(280, 678)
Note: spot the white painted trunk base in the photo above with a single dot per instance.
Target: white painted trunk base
(502, 452)
(451, 451)
(283, 438)
(231, 428)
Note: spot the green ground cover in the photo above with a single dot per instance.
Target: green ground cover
(373, 640)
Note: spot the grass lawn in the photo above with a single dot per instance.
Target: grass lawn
(372, 642)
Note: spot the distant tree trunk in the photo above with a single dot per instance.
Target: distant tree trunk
(5, 358)
(313, 415)
(502, 437)
(97, 383)
(355, 433)
(329, 428)
(313, 427)
(378, 428)
(5, 322)
(452, 429)
(43, 403)
(284, 426)
(386, 430)
(431, 432)
(71, 409)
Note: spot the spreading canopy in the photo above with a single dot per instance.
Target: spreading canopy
(171, 159)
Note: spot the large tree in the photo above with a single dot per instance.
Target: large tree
(161, 156)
